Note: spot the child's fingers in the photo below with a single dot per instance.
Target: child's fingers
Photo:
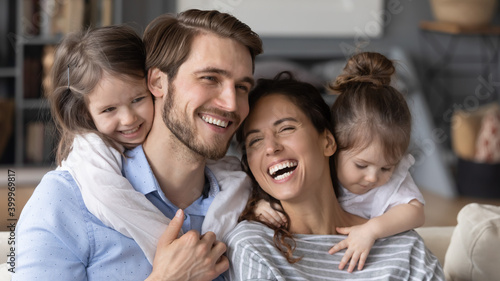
(345, 259)
(343, 230)
(282, 216)
(265, 217)
(277, 217)
(353, 262)
(362, 260)
(339, 246)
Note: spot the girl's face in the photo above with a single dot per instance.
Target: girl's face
(361, 171)
(286, 154)
(122, 109)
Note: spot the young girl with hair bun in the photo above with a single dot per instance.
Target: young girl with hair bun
(372, 127)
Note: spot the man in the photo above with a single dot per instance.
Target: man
(201, 97)
(200, 67)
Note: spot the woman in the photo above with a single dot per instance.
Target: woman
(287, 149)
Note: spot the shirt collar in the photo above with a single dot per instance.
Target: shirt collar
(138, 172)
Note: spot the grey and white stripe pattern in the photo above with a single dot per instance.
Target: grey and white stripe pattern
(253, 256)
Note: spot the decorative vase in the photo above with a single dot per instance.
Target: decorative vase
(466, 13)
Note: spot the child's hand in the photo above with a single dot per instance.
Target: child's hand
(358, 244)
(267, 214)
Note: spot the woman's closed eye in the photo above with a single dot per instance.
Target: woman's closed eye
(287, 129)
(253, 141)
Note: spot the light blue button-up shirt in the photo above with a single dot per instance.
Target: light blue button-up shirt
(57, 238)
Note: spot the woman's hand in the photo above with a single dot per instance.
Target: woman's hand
(267, 214)
(358, 243)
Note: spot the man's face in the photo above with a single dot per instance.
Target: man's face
(208, 99)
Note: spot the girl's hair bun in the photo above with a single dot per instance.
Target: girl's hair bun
(371, 68)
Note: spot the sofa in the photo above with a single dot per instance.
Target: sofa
(468, 251)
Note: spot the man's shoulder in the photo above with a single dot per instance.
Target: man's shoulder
(56, 190)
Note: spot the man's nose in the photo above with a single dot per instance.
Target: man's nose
(227, 98)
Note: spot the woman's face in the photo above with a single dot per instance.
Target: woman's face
(286, 154)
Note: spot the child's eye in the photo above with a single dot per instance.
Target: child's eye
(385, 169)
(360, 166)
(109, 109)
(138, 99)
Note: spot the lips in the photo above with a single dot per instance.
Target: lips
(131, 131)
(283, 169)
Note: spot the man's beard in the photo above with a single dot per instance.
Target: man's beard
(186, 133)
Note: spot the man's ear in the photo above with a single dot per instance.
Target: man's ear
(156, 82)
(330, 146)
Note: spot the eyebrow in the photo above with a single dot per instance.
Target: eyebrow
(225, 73)
(276, 123)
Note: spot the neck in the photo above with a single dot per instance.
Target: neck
(319, 214)
(179, 171)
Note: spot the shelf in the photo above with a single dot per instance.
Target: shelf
(36, 104)
(451, 28)
(7, 72)
(38, 40)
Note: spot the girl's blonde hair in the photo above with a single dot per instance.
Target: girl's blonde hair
(80, 61)
(369, 109)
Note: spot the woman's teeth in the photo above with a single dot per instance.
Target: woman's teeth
(282, 170)
(214, 121)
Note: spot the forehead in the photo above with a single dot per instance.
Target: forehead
(270, 108)
(113, 87)
(373, 153)
(210, 50)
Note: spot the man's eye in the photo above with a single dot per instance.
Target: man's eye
(243, 88)
(209, 78)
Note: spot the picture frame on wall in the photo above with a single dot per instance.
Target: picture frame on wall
(298, 18)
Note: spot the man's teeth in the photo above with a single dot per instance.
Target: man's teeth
(214, 121)
(278, 167)
(131, 131)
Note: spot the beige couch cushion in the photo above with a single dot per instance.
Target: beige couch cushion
(474, 251)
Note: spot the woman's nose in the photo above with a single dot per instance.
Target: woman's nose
(273, 146)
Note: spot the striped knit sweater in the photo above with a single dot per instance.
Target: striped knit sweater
(253, 256)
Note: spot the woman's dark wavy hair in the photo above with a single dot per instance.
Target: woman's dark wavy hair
(306, 97)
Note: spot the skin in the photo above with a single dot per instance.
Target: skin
(122, 109)
(278, 132)
(214, 81)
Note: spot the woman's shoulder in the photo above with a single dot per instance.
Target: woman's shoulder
(248, 231)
